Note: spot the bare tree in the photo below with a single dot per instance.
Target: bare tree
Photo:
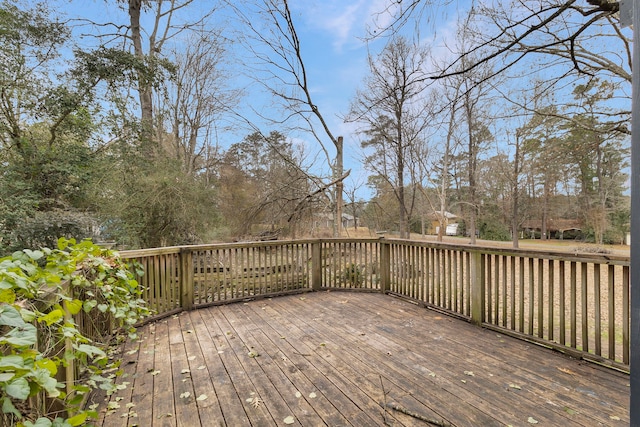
(473, 99)
(197, 99)
(270, 36)
(261, 185)
(435, 170)
(390, 108)
(165, 27)
(516, 29)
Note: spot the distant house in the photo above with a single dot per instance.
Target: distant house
(555, 229)
(325, 220)
(434, 223)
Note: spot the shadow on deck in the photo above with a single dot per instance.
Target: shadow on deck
(347, 359)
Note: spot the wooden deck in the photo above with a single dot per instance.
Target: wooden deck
(352, 359)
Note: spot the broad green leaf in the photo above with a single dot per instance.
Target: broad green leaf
(77, 420)
(12, 361)
(52, 317)
(40, 422)
(64, 243)
(59, 422)
(27, 315)
(9, 316)
(47, 364)
(88, 305)
(34, 255)
(8, 408)
(73, 307)
(18, 389)
(90, 350)
(6, 377)
(21, 337)
(7, 296)
(43, 377)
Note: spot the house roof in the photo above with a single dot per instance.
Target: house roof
(447, 215)
(554, 224)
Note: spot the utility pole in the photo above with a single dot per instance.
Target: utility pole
(339, 170)
(632, 7)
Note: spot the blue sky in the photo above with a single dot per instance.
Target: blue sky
(333, 48)
(335, 54)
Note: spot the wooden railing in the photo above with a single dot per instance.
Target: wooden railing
(576, 303)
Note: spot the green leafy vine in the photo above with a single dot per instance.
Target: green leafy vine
(61, 310)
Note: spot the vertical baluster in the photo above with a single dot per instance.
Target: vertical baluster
(552, 300)
(584, 306)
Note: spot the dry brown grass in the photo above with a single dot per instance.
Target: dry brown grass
(570, 246)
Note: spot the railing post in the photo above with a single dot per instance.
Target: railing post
(70, 368)
(186, 278)
(477, 287)
(316, 266)
(385, 266)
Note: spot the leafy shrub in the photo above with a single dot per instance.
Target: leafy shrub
(43, 293)
(43, 228)
(352, 275)
(494, 230)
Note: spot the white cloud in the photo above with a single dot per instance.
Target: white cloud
(344, 21)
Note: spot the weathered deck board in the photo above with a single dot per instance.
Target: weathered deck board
(337, 358)
(544, 383)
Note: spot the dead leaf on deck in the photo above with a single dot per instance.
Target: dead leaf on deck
(532, 420)
(191, 358)
(566, 371)
(185, 395)
(202, 397)
(289, 420)
(516, 386)
(185, 371)
(469, 373)
(254, 401)
(614, 417)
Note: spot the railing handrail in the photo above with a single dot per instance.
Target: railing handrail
(498, 287)
(574, 256)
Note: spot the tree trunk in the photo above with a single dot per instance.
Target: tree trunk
(144, 88)
(472, 174)
(515, 193)
(338, 171)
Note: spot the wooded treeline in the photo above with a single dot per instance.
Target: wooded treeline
(112, 129)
